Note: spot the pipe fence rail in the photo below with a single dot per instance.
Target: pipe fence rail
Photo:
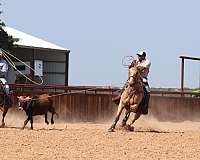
(32, 88)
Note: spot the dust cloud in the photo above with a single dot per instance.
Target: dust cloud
(151, 124)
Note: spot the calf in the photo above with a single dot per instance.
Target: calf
(36, 105)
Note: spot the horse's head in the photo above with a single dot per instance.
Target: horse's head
(134, 75)
(23, 102)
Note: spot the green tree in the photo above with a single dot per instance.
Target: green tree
(6, 41)
(1, 22)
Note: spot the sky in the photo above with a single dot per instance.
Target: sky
(100, 33)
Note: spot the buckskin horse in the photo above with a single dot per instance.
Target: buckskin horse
(131, 97)
(5, 103)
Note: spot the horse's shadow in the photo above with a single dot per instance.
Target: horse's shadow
(156, 131)
(150, 130)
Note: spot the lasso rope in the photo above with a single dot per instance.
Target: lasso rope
(81, 91)
(6, 55)
(65, 93)
(127, 60)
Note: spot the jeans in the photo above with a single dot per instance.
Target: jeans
(145, 101)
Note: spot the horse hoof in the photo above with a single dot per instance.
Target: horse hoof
(111, 130)
(130, 128)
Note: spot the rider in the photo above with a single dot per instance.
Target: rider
(4, 73)
(145, 64)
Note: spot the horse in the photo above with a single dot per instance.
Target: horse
(5, 103)
(131, 97)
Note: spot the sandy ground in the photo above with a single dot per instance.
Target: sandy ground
(151, 140)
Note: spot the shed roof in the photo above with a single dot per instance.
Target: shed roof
(28, 40)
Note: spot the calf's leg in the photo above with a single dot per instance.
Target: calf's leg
(25, 122)
(52, 121)
(46, 121)
(31, 121)
(52, 110)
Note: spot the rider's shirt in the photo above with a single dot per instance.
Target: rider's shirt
(146, 64)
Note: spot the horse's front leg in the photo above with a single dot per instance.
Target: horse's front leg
(119, 111)
(136, 116)
(125, 119)
(5, 110)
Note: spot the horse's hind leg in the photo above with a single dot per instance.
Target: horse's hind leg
(5, 110)
(120, 108)
(46, 121)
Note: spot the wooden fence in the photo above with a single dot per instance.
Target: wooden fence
(171, 108)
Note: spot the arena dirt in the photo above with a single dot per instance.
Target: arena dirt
(151, 140)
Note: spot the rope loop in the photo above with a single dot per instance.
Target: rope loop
(127, 60)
